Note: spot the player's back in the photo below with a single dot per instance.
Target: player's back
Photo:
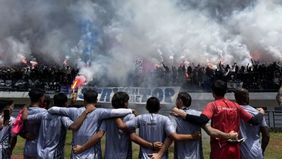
(190, 149)
(153, 128)
(32, 127)
(52, 135)
(118, 143)
(89, 127)
(226, 116)
(251, 148)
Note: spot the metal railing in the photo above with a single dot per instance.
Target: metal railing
(274, 119)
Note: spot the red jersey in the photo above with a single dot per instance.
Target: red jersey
(225, 116)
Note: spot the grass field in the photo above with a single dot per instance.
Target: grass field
(273, 150)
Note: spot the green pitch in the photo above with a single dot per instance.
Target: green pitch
(273, 150)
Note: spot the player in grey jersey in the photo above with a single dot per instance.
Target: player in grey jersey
(189, 149)
(154, 127)
(31, 128)
(52, 132)
(251, 148)
(6, 121)
(90, 124)
(118, 143)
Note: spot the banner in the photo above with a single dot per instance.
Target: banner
(137, 95)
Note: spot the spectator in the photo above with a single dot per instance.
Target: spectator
(279, 99)
(6, 120)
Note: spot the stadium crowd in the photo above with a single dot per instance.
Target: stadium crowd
(254, 77)
(234, 130)
(48, 77)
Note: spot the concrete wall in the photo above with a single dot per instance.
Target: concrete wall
(199, 100)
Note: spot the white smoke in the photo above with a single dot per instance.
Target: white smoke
(195, 31)
(39, 27)
(11, 50)
(261, 28)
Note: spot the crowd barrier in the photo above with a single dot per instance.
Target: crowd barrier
(274, 119)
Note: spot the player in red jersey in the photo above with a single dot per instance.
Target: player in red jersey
(225, 116)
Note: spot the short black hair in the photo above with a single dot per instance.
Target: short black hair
(90, 96)
(35, 94)
(185, 98)
(153, 105)
(119, 99)
(47, 100)
(4, 104)
(60, 99)
(219, 88)
(242, 96)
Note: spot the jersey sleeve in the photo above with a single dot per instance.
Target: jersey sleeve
(264, 124)
(110, 113)
(37, 116)
(173, 121)
(66, 121)
(103, 126)
(133, 123)
(69, 112)
(244, 115)
(169, 127)
(208, 110)
(128, 118)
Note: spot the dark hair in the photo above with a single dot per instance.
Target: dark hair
(153, 105)
(119, 99)
(47, 100)
(60, 99)
(90, 96)
(35, 94)
(242, 96)
(219, 88)
(185, 98)
(4, 104)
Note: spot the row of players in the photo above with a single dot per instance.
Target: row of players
(45, 130)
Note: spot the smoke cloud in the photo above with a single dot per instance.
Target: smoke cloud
(112, 34)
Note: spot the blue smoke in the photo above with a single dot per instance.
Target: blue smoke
(89, 36)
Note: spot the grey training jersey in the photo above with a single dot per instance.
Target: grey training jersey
(153, 128)
(52, 134)
(251, 148)
(188, 149)
(30, 148)
(89, 127)
(5, 136)
(118, 143)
